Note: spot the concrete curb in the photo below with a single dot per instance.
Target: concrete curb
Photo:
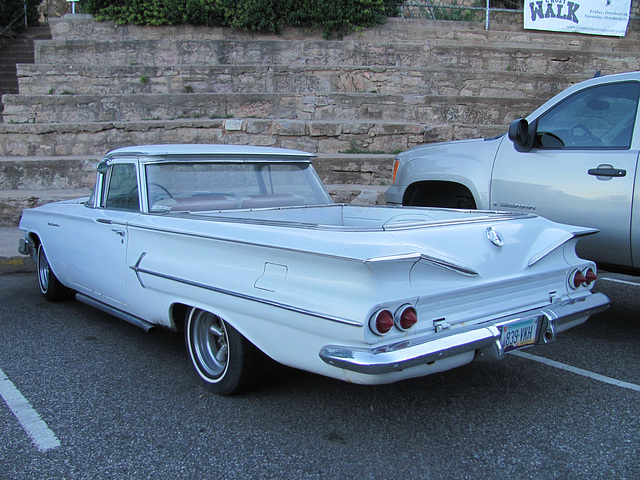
(18, 264)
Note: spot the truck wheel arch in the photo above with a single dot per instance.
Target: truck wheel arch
(439, 194)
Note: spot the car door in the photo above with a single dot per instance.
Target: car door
(97, 265)
(581, 169)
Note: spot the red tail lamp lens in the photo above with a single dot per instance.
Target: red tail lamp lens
(408, 318)
(590, 277)
(382, 322)
(578, 279)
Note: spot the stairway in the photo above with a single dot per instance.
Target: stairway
(18, 50)
(354, 102)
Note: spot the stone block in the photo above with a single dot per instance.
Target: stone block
(288, 128)
(324, 129)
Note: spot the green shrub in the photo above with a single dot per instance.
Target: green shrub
(332, 16)
(12, 9)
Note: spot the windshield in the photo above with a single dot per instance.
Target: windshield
(192, 186)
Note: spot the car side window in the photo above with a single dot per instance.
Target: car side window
(122, 188)
(601, 117)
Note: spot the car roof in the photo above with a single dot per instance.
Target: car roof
(226, 151)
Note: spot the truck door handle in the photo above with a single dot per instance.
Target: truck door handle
(607, 172)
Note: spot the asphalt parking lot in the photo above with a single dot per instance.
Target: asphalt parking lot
(87, 396)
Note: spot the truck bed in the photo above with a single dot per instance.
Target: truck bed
(354, 217)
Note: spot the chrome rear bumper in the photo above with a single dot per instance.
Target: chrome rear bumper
(483, 338)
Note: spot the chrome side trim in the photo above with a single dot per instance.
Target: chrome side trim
(447, 265)
(239, 242)
(483, 338)
(136, 268)
(490, 216)
(138, 322)
(420, 257)
(403, 257)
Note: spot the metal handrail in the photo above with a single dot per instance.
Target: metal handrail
(17, 18)
(428, 5)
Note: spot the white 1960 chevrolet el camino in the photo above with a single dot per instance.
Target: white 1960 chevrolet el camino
(243, 249)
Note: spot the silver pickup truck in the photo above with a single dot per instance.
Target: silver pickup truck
(573, 160)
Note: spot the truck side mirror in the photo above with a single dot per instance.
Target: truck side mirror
(520, 134)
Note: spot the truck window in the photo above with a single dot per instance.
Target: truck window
(601, 117)
(122, 190)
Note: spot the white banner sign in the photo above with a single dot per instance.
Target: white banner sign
(596, 17)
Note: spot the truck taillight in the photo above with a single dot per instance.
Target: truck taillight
(585, 278)
(406, 317)
(381, 322)
(578, 279)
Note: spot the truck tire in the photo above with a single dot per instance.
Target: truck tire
(50, 286)
(225, 361)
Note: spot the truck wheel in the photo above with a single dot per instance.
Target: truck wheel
(439, 194)
(50, 286)
(225, 361)
(466, 202)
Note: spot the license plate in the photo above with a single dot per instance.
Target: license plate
(519, 334)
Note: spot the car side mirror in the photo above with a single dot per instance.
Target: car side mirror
(519, 132)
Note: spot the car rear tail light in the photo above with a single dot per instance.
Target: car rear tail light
(406, 317)
(381, 322)
(577, 279)
(590, 276)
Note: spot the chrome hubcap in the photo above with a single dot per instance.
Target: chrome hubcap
(210, 343)
(43, 270)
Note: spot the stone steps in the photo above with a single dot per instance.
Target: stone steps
(47, 79)
(417, 30)
(12, 202)
(496, 56)
(18, 50)
(96, 86)
(47, 173)
(78, 172)
(434, 109)
(26, 182)
(316, 137)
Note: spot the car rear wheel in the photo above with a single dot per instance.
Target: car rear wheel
(225, 361)
(50, 286)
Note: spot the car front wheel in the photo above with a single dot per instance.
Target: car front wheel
(225, 361)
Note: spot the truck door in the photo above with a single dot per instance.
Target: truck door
(97, 264)
(581, 169)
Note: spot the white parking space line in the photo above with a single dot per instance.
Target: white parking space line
(615, 280)
(29, 419)
(579, 371)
